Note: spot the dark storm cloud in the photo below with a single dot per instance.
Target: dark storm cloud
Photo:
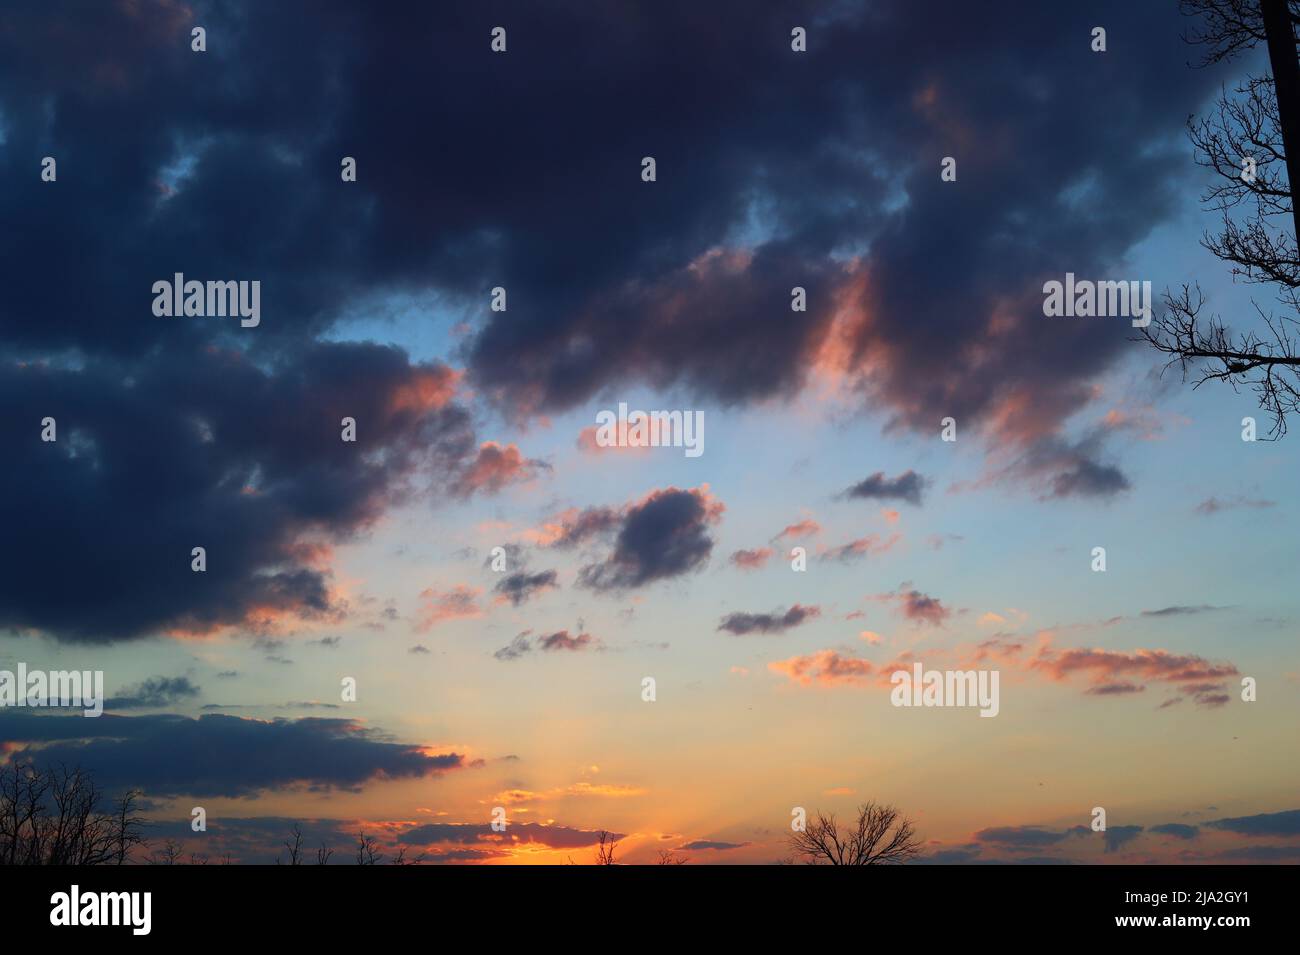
(816, 148)
(775, 169)
(219, 755)
(664, 535)
(908, 486)
(206, 448)
(155, 692)
(778, 621)
(517, 588)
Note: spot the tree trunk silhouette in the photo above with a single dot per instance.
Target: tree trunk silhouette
(1280, 33)
(1251, 142)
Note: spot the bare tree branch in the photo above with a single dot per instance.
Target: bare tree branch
(1251, 142)
(869, 841)
(605, 850)
(56, 816)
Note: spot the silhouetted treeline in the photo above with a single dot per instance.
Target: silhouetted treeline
(58, 816)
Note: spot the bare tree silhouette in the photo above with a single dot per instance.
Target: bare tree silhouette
(1251, 142)
(169, 853)
(402, 859)
(57, 816)
(368, 850)
(294, 847)
(670, 857)
(868, 842)
(605, 849)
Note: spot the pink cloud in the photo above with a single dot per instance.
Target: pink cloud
(494, 468)
(800, 529)
(752, 559)
(459, 602)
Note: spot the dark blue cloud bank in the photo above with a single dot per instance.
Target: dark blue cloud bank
(477, 169)
(218, 755)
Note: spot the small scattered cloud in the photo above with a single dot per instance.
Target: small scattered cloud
(709, 845)
(916, 606)
(518, 588)
(664, 535)
(1181, 611)
(439, 606)
(562, 640)
(516, 648)
(154, 693)
(862, 547)
(752, 559)
(908, 486)
(494, 468)
(1213, 505)
(778, 621)
(799, 530)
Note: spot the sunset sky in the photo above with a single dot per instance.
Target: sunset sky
(522, 688)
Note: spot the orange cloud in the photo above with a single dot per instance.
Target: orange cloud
(427, 390)
(495, 468)
(805, 528)
(825, 667)
(459, 602)
(1105, 666)
(1110, 672)
(752, 559)
(916, 606)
